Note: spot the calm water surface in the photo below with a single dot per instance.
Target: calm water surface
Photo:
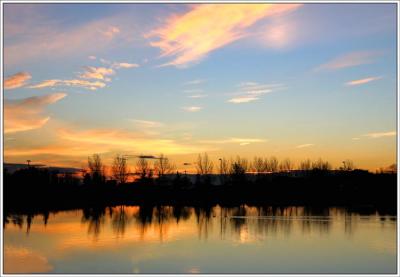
(133, 239)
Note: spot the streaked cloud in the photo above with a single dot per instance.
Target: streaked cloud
(251, 91)
(124, 65)
(27, 114)
(46, 37)
(99, 73)
(304, 145)
(362, 81)
(355, 138)
(113, 139)
(380, 135)
(111, 31)
(197, 96)
(193, 90)
(189, 37)
(17, 80)
(243, 99)
(147, 123)
(240, 141)
(70, 83)
(350, 60)
(194, 82)
(192, 109)
(92, 57)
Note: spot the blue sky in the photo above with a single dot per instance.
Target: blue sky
(289, 80)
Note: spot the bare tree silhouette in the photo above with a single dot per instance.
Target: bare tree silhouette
(286, 165)
(204, 165)
(272, 165)
(96, 169)
(120, 169)
(305, 165)
(258, 165)
(143, 168)
(321, 165)
(348, 165)
(163, 166)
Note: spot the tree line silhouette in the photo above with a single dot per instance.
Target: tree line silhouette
(237, 180)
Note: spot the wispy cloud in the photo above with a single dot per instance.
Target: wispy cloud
(192, 109)
(74, 83)
(27, 114)
(194, 82)
(243, 99)
(362, 81)
(17, 80)
(99, 73)
(350, 60)
(197, 96)
(92, 57)
(119, 139)
(42, 36)
(304, 145)
(193, 90)
(147, 123)
(111, 31)
(124, 65)
(251, 91)
(240, 141)
(380, 135)
(189, 37)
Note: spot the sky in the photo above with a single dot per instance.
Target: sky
(289, 80)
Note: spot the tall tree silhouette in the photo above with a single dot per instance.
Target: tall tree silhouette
(120, 169)
(163, 166)
(143, 168)
(204, 165)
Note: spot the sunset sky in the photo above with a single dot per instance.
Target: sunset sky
(288, 80)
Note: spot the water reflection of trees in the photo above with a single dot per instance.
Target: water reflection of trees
(94, 217)
(242, 222)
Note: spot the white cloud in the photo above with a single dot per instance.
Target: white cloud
(147, 123)
(192, 109)
(194, 82)
(193, 90)
(240, 141)
(197, 96)
(251, 91)
(380, 135)
(243, 99)
(304, 145)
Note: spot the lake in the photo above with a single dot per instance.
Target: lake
(166, 239)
